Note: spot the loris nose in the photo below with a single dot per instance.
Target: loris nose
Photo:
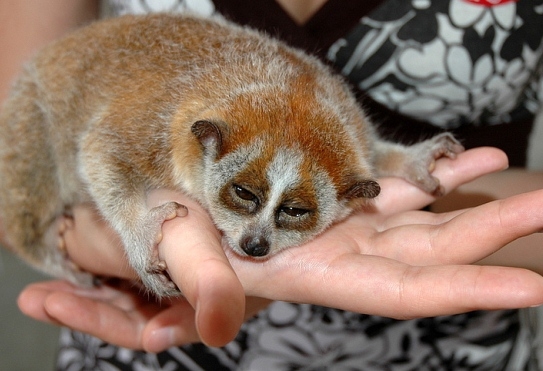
(255, 245)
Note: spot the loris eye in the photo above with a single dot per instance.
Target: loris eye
(293, 211)
(244, 194)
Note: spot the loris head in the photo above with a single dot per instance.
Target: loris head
(276, 175)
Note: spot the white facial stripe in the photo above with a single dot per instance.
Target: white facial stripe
(282, 173)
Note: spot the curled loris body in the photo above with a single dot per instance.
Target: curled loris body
(265, 137)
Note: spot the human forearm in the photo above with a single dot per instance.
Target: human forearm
(26, 26)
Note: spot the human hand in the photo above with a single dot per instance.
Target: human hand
(390, 261)
(118, 313)
(121, 313)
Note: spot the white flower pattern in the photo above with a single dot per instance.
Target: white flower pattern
(290, 336)
(458, 71)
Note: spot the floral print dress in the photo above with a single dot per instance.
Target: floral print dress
(420, 66)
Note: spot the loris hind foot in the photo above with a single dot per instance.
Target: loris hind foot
(415, 163)
(156, 275)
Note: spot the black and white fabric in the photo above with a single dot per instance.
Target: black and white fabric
(474, 62)
(469, 64)
(304, 337)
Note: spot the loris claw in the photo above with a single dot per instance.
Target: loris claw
(266, 138)
(151, 268)
(416, 162)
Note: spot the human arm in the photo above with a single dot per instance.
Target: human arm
(393, 262)
(26, 26)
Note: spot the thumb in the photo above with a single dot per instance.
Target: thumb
(191, 247)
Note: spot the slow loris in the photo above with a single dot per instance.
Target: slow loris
(266, 138)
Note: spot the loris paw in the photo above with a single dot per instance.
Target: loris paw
(66, 267)
(155, 275)
(424, 156)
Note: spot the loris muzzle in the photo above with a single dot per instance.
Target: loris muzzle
(266, 138)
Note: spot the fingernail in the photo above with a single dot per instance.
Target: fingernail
(162, 338)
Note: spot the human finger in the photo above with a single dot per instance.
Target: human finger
(402, 291)
(192, 250)
(381, 286)
(104, 312)
(31, 300)
(118, 315)
(114, 314)
(175, 325)
(462, 237)
(397, 195)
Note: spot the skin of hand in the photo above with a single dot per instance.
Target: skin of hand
(390, 260)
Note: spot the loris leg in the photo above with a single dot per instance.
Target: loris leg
(140, 230)
(416, 162)
(156, 217)
(120, 196)
(30, 197)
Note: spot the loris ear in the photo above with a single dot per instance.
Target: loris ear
(362, 189)
(208, 134)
